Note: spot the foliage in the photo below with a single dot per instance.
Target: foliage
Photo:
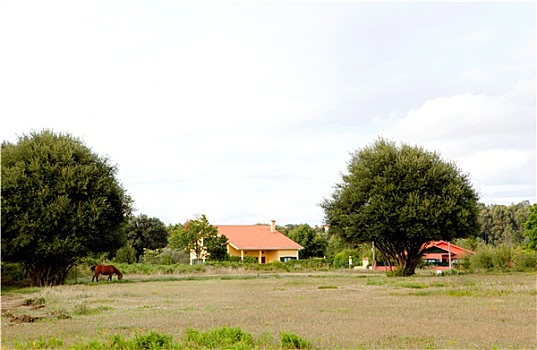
(149, 341)
(502, 224)
(401, 198)
(335, 244)
(313, 242)
(470, 243)
(341, 259)
(292, 341)
(215, 266)
(12, 273)
(216, 338)
(151, 256)
(41, 343)
(195, 234)
(502, 258)
(126, 254)
(217, 247)
(60, 202)
(153, 340)
(175, 240)
(219, 338)
(144, 232)
(530, 228)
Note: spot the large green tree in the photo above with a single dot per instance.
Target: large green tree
(313, 242)
(401, 197)
(60, 202)
(146, 232)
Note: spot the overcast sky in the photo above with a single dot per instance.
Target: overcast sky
(247, 112)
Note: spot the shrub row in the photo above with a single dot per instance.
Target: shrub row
(218, 338)
(502, 258)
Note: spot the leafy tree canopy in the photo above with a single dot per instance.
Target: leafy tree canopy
(503, 224)
(314, 244)
(145, 232)
(60, 202)
(531, 228)
(200, 237)
(401, 197)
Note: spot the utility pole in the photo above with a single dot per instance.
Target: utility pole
(373, 253)
(449, 254)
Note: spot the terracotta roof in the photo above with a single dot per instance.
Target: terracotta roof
(455, 249)
(255, 237)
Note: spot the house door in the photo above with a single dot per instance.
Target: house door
(263, 260)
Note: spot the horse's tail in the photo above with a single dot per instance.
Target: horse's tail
(92, 267)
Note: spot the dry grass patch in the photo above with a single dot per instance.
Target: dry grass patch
(328, 311)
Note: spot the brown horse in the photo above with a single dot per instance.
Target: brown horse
(105, 270)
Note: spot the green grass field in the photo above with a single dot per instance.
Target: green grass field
(329, 310)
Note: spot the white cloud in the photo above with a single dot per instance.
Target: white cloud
(248, 111)
(492, 138)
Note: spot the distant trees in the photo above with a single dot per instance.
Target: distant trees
(143, 231)
(200, 237)
(313, 242)
(530, 227)
(60, 202)
(503, 224)
(401, 197)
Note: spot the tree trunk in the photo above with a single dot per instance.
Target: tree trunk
(48, 273)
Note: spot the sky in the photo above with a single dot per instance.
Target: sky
(248, 111)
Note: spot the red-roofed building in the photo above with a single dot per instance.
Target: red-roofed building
(262, 242)
(439, 253)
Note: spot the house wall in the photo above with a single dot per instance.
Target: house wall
(269, 255)
(291, 253)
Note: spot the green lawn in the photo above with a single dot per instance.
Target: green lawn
(340, 310)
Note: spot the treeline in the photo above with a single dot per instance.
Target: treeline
(149, 240)
(62, 203)
(503, 224)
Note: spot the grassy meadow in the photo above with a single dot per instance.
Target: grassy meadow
(328, 310)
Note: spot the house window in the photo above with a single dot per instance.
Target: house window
(197, 262)
(287, 258)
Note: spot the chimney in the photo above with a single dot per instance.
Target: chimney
(272, 225)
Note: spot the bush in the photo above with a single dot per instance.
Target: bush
(126, 254)
(502, 258)
(153, 340)
(177, 256)
(217, 338)
(525, 260)
(341, 259)
(249, 260)
(12, 273)
(224, 337)
(482, 259)
(292, 341)
(151, 256)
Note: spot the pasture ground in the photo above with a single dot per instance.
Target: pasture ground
(331, 310)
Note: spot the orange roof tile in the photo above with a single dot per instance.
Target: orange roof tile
(455, 249)
(255, 237)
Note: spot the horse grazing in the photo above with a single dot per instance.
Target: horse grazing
(108, 270)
